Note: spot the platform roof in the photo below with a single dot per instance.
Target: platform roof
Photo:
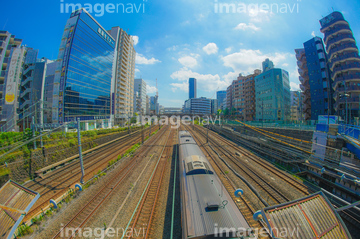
(309, 217)
(15, 202)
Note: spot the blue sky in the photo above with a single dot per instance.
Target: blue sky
(187, 38)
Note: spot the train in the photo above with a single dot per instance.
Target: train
(207, 209)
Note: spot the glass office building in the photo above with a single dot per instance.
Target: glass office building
(83, 78)
(192, 88)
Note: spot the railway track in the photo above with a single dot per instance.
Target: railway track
(58, 183)
(268, 166)
(146, 211)
(273, 193)
(87, 211)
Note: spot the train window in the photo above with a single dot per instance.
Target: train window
(187, 140)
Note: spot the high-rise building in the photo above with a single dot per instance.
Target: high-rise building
(154, 105)
(48, 90)
(243, 96)
(344, 62)
(83, 86)
(296, 105)
(11, 62)
(272, 92)
(315, 79)
(198, 106)
(221, 96)
(32, 90)
(147, 105)
(229, 98)
(267, 65)
(124, 74)
(140, 96)
(214, 106)
(192, 88)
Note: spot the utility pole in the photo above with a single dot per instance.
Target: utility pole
(346, 106)
(128, 124)
(80, 152)
(207, 134)
(33, 130)
(142, 130)
(262, 113)
(150, 127)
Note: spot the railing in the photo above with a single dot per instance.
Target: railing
(342, 47)
(346, 67)
(339, 38)
(344, 78)
(344, 26)
(344, 57)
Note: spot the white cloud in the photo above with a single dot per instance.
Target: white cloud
(229, 77)
(260, 15)
(313, 34)
(188, 61)
(211, 48)
(206, 82)
(228, 50)
(294, 86)
(142, 60)
(137, 70)
(244, 27)
(184, 86)
(247, 60)
(285, 64)
(135, 39)
(150, 89)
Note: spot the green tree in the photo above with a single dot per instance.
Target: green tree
(219, 111)
(226, 112)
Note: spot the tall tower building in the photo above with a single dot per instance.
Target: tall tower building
(11, 62)
(124, 74)
(315, 79)
(221, 97)
(344, 62)
(192, 88)
(140, 96)
(83, 86)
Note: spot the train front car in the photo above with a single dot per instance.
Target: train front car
(207, 209)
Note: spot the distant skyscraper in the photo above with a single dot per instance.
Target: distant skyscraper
(344, 62)
(124, 74)
(267, 65)
(229, 97)
(154, 105)
(83, 86)
(192, 88)
(140, 97)
(272, 91)
(315, 79)
(221, 96)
